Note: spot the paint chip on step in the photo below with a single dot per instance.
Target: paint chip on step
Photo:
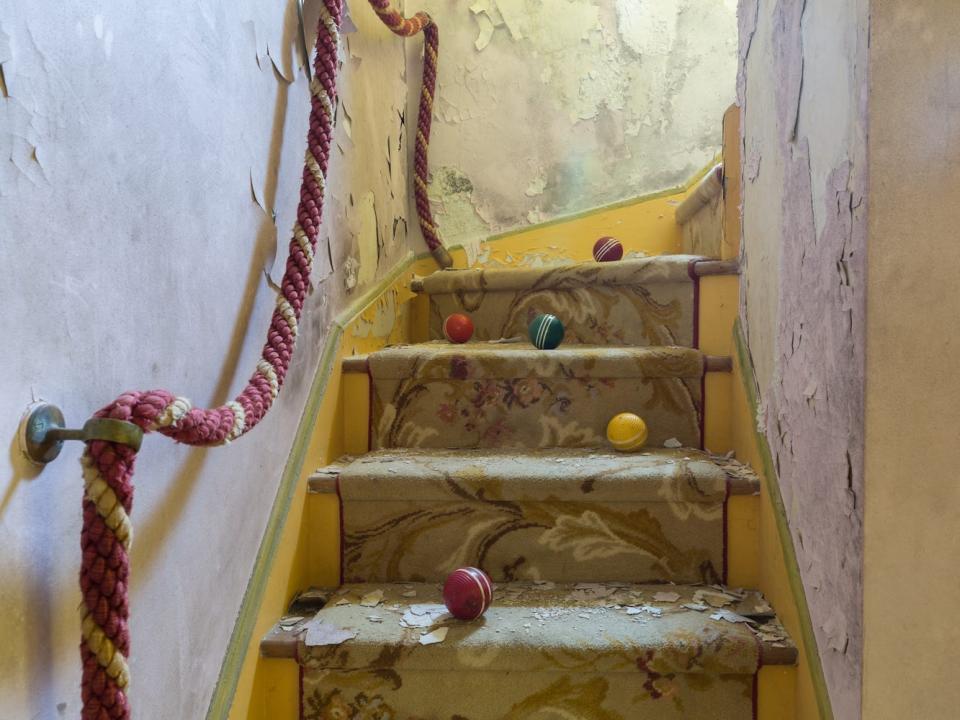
(372, 599)
(321, 633)
(437, 636)
(730, 617)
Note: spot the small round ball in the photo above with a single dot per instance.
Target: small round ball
(546, 331)
(607, 249)
(467, 593)
(458, 328)
(627, 432)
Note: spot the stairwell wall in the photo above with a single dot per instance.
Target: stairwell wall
(145, 149)
(802, 89)
(549, 109)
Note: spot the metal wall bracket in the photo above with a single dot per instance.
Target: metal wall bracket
(42, 432)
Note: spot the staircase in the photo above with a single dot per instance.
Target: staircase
(610, 568)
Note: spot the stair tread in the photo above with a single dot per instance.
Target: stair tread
(521, 359)
(688, 628)
(631, 271)
(595, 474)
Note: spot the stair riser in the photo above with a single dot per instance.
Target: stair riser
(562, 541)
(472, 693)
(656, 314)
(530, 412)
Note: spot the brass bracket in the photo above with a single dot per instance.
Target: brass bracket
(42, 433)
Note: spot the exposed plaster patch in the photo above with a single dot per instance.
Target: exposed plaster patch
(648, 27)
(367, 239)
(455, 209)
(512, 16)
(538, 184)
(748, 15)
(788, 52)
(380, 320)
(350, 268)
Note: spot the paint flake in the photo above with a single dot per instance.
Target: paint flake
(730, 617)
(372, 599)
(437, 636)
(321, 633)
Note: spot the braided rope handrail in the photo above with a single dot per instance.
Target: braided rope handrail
(108, 467)
(408, 27)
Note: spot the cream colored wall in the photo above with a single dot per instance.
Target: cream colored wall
(546, 109)
(912, 541)
(144, 149)
(802, 90)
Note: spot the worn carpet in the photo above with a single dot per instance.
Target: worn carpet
(646, 301)
(438, 395)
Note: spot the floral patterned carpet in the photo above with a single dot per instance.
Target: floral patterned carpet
(592, 651)
(646, 301)
(493, 454)
(438, 395)
(559, 514)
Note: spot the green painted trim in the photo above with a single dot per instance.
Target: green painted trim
(783, 528)
(229, 678)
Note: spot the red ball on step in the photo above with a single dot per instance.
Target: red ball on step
(467, 593)
(458, 328)
(607, 249)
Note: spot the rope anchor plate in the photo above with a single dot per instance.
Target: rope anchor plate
(42, 432)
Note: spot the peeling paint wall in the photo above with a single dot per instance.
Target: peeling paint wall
(802, 89)
(913, 388)
(150, 160)
(546, 109)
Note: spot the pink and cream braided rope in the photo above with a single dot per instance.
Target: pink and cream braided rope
(408, 27)
(108, 467)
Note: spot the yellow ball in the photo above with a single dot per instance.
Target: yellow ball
(627, 432)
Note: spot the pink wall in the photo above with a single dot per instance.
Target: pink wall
(802, 90)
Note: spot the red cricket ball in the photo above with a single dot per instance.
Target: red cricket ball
(607, 249)
(467, 593)
(458, 328)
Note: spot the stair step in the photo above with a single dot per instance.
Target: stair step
(608, 650)
(560, 514)
(512, 395)
(641, 301)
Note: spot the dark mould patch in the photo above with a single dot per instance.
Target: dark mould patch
(455, 183)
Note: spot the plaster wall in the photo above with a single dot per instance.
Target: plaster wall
(802, 91)
(144, 149)
(913, 389)
(546, 109)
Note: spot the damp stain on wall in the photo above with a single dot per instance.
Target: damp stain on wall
(549, 109)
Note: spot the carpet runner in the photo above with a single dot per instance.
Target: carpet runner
(494, 454)
(645, 301)
(439, 395)
(564, 515)
(590, 651)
